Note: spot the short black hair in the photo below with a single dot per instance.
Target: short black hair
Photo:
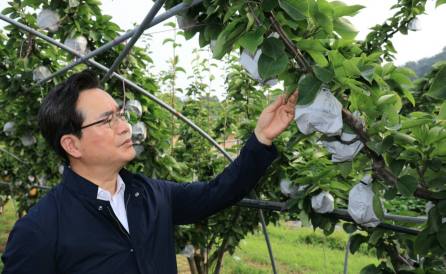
(58, 115)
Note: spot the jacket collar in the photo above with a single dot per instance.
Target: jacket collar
(81, 186)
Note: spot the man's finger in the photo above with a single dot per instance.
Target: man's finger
(276, 104)
(292, 100)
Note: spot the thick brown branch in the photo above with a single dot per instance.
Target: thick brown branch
(251, 10)
(379, 166)
(298, 56)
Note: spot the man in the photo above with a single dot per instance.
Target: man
(104, 219)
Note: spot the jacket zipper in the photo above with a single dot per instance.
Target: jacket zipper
(126, 203)
(121, 228)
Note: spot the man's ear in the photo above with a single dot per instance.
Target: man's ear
(71, 144)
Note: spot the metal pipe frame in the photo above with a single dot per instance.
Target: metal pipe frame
(347, 252)
(283, 206)
(120, 77)
(337, 213)
(343, 214)
(160, 18)
(139, 31)
(148, 94)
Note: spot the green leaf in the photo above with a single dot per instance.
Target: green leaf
(409, 96)
(438, 87)
(356, 241)
(251, 40)
(273, 47)
(441, 236)
(341, 9)
(323, 74)
(308, 87)
(370, 269)
(344, 168)
(407, 185)
(442, 207)
(377, 207)
(311, 44)
(269, 5)
(8, 10)
(424, 242)
(435, 135)
(410, 123)
(386, 99)
(325, 20)
(315, 49)
(396, 166)
(268, 67)
(318, 57)
(442, 114)
(434, 220)
(440, 2)
(286, 22)
(336, 58)
(227, 38)
(390, 193)
(349, 228)
(350, 68)
(401, 78)
(296, 9)
(387, 143)
(367, 72)
(376, 235)
(344, 28)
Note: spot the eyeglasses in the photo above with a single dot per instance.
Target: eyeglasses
(112, 120)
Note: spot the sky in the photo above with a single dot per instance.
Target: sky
(414, 46)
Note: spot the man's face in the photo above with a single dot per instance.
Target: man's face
(101, 144)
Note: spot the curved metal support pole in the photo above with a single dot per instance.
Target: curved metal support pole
(347, 252)
(141, 90)
(120, 77)
(268, 242)
(160, 18)
(13, 156)
(139, 31)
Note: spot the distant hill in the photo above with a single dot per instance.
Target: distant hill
(423, 66)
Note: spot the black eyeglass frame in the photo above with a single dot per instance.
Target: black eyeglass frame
(121, 114)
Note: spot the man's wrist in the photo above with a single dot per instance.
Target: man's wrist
(262, 139)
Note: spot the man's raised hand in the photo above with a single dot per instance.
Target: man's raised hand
(275, 118)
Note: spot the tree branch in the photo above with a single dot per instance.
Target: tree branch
(379, 166)
(298, 56)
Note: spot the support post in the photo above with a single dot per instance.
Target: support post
(160, 18)
(139, 31)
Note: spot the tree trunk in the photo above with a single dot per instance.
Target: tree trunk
(192, 265)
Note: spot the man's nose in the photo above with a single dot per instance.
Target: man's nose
(123, 127)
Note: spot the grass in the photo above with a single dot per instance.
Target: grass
(296, 250)
(7, 220)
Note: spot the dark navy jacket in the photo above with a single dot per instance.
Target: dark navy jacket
(70, 231)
